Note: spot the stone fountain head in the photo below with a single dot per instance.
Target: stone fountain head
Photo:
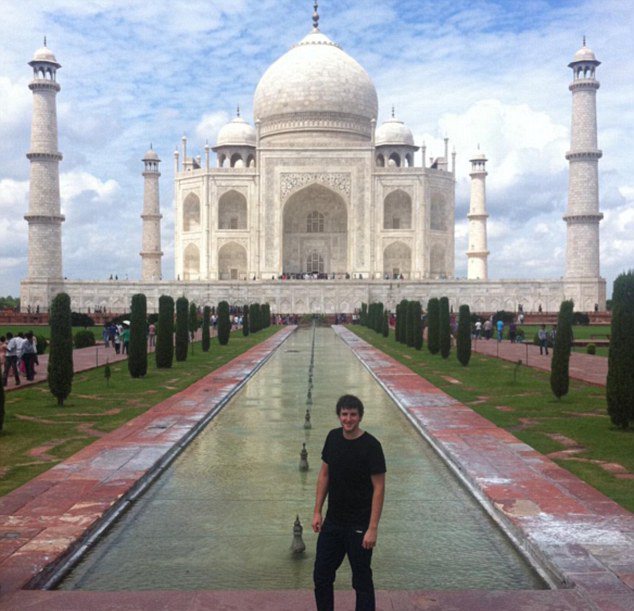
(303, 458)
(298, 546)
(307, 423)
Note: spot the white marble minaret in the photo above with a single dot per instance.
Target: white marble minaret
(151, 249)
(44, 216)
(477, 254)
(583, 215)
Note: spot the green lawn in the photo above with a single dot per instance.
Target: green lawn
(38, 434)
(520, 401)
(45, 330)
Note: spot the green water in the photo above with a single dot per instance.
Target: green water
(221, 516)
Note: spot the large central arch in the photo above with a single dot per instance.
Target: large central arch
(315, 228)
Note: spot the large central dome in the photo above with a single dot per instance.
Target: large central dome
(316, 87)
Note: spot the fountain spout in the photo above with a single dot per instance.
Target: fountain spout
(298, 546)
(307, 423)
(303, 458)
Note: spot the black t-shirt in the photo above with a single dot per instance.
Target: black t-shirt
(351, 462)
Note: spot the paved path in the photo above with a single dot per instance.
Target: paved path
(584, 538)
(585, 367)
(83, 360)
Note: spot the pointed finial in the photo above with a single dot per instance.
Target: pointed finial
(316, 17)
(151, 146)
(393, 111)
(44, 40)
(238, 111)
(584, 40)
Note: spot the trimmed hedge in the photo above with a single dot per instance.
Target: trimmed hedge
(463, 350)
(182, 329)
(245, 321)
(224, 323)
(164, 352)
(60, 360)
(444, 328)
(559, 374)
(137, 349)
(433, 325)
(83, 339)
(206, 337)
(620, 383)
(386, 324)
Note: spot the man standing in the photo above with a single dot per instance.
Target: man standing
(352, 475)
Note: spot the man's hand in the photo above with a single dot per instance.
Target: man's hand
(369, 539)
(317, 522)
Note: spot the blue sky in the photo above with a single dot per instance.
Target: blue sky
(490, 73)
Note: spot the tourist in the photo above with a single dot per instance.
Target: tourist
(512, 332)
(352, 476)
(3, 353)
(152, 334)
(28, 356)
(488, 328)
(478, 329)
(125, 339)
(500, 329)
(116, 339)
(11, 363)
(553, 335)
(543, 340)
(105, 335)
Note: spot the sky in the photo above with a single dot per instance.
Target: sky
(491, 73)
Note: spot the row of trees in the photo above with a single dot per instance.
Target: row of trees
(376, 317)
(177, 324)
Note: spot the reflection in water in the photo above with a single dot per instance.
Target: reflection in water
(221, 516)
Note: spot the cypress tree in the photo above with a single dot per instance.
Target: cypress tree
(258, 316)
(137, 351)
(1, 406)
(253, 319)
(265, 315)
(206, 338)
(164, 352)
(402, 333)
(386, 324)
(433, 325)
(379, 317)
(559, 374)
(364, 314)
(464, 335)
(418, 326)
(60, 360)
(410, 332)
(182, 332)
(444, 328)
(397, 324)
(192, 322)
(224, 323)
(620, 381)
(245, 320)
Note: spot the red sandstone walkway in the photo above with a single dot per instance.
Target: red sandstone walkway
(580, 535)
(586, 367)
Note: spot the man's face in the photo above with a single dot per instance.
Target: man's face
(350, 419)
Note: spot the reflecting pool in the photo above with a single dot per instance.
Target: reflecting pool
(221, 516)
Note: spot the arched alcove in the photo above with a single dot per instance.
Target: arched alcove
(315, 220)
(397, 260)
(438, 216)
(397, 210)
(380, 161)
(232, 262)
(232, 211)
(437, 262)
(191, 213)
(191, 263)
(237, 161)
(395, 160)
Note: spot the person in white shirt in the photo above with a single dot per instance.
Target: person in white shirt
(11, 360)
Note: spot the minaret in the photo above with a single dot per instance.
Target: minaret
(583, 216)
(151, 251)
(477, 252)
(44, 216)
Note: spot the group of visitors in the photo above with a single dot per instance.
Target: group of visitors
(18, 355)
(485, 329)
(117, 334)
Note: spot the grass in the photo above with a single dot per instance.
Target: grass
(38, 434)
(45, 330)
(528, 409)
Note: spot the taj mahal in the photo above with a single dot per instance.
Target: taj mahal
(314, 207)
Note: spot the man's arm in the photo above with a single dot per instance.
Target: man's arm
(320, 496)
(378, 494)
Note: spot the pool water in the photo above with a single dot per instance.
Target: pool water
(221, 516)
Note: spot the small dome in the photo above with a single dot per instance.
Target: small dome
(44, 55)
(236, 133)
(151, 155)
(584, 55)
(478, 156)
(393, 132)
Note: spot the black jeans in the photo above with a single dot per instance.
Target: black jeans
(11, 364)
(333, 544)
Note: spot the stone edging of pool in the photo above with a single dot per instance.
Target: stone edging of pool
(574, 531)
(48, 522)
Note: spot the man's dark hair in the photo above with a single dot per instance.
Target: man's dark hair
(350, 402)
